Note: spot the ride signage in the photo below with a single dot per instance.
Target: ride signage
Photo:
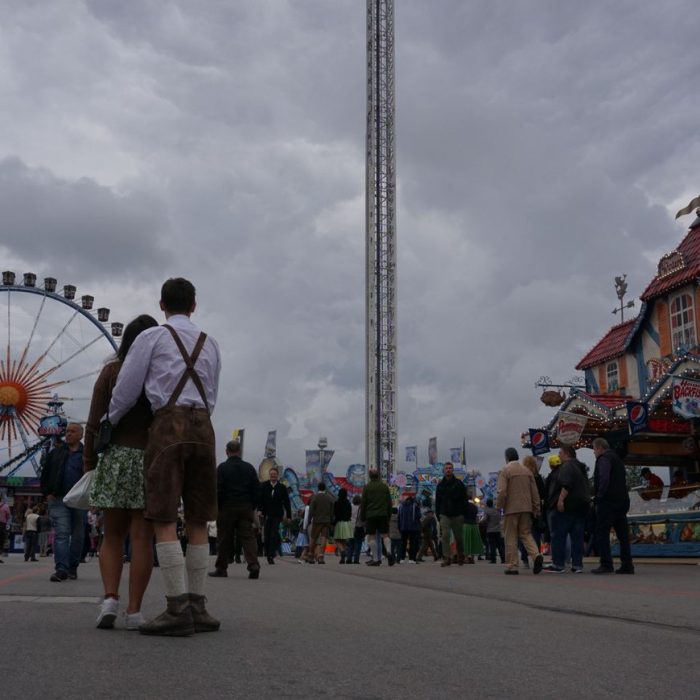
(570, 427)
(686, 398)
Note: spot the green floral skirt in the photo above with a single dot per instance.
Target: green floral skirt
(118, 482)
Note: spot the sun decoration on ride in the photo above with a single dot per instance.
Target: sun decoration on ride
(24, 392)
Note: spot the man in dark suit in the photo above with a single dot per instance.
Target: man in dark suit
(274, 504)
(237, 489)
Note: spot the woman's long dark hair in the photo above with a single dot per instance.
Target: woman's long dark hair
(131, 332)
(343, 495)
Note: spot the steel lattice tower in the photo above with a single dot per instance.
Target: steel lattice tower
(380, 231)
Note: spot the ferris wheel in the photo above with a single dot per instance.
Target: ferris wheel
(54, 349)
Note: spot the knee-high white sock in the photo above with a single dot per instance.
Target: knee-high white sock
(375, 549)
(196, 563)
(172, 567)
(387, 545)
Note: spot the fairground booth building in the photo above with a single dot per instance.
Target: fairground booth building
(642, 393)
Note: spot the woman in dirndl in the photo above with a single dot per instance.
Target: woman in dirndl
(342, 514)
(473, 544)
(118, 489)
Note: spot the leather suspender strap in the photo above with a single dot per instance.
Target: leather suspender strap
(190, 372)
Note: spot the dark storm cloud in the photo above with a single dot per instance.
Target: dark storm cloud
(85, 229)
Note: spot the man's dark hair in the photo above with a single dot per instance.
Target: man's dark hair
(234, 447)
(274, 469)
(131, 332)
(645, 471)
(321, 487)
(374, 474)
(489, 502)
(511, 454)
(177, 295)
(568, 450)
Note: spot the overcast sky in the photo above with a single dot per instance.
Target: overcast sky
(543, 148)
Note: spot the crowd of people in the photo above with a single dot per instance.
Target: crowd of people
(559, 515)
(158, 495)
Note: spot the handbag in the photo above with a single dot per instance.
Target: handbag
(79, 496)
(103, 436)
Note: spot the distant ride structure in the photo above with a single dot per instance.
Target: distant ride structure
(53, 349)
(380, 242)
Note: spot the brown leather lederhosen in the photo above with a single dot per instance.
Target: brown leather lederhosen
(180, 458)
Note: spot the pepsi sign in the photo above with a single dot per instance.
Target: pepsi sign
(637, 416)
(539, 441)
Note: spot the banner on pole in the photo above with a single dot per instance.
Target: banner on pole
(432, 451)
(314, 473)
(237, 434)
(456, 455)
(271, 444)
(412, 454)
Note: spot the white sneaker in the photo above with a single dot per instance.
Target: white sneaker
(108, 613)
(133, 621)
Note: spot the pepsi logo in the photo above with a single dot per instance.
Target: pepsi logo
(539, 439)
(638, 415)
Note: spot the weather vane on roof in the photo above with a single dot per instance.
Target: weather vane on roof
(621, 290)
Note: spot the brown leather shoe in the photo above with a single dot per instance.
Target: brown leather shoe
(203, 621)
(446, 562)
(176, 621)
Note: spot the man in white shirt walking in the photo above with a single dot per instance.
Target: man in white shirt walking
(178, 367)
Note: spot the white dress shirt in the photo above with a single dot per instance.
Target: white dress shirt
(154, 363)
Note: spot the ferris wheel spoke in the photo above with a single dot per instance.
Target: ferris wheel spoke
(31, 335)
(41, 357)
(80, 350)
(26, 423)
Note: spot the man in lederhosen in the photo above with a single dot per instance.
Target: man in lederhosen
(178, 368)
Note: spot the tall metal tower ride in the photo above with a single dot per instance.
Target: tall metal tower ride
(380, 231)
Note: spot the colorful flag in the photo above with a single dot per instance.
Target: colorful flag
(686, 210)
(271, 445)
(412, 454)
(539, 441)
(637, 416)
(432, 451)
(238, 434)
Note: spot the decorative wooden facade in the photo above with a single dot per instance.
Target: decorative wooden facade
(638, 360)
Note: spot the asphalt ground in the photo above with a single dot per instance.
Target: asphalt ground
(410, 631)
